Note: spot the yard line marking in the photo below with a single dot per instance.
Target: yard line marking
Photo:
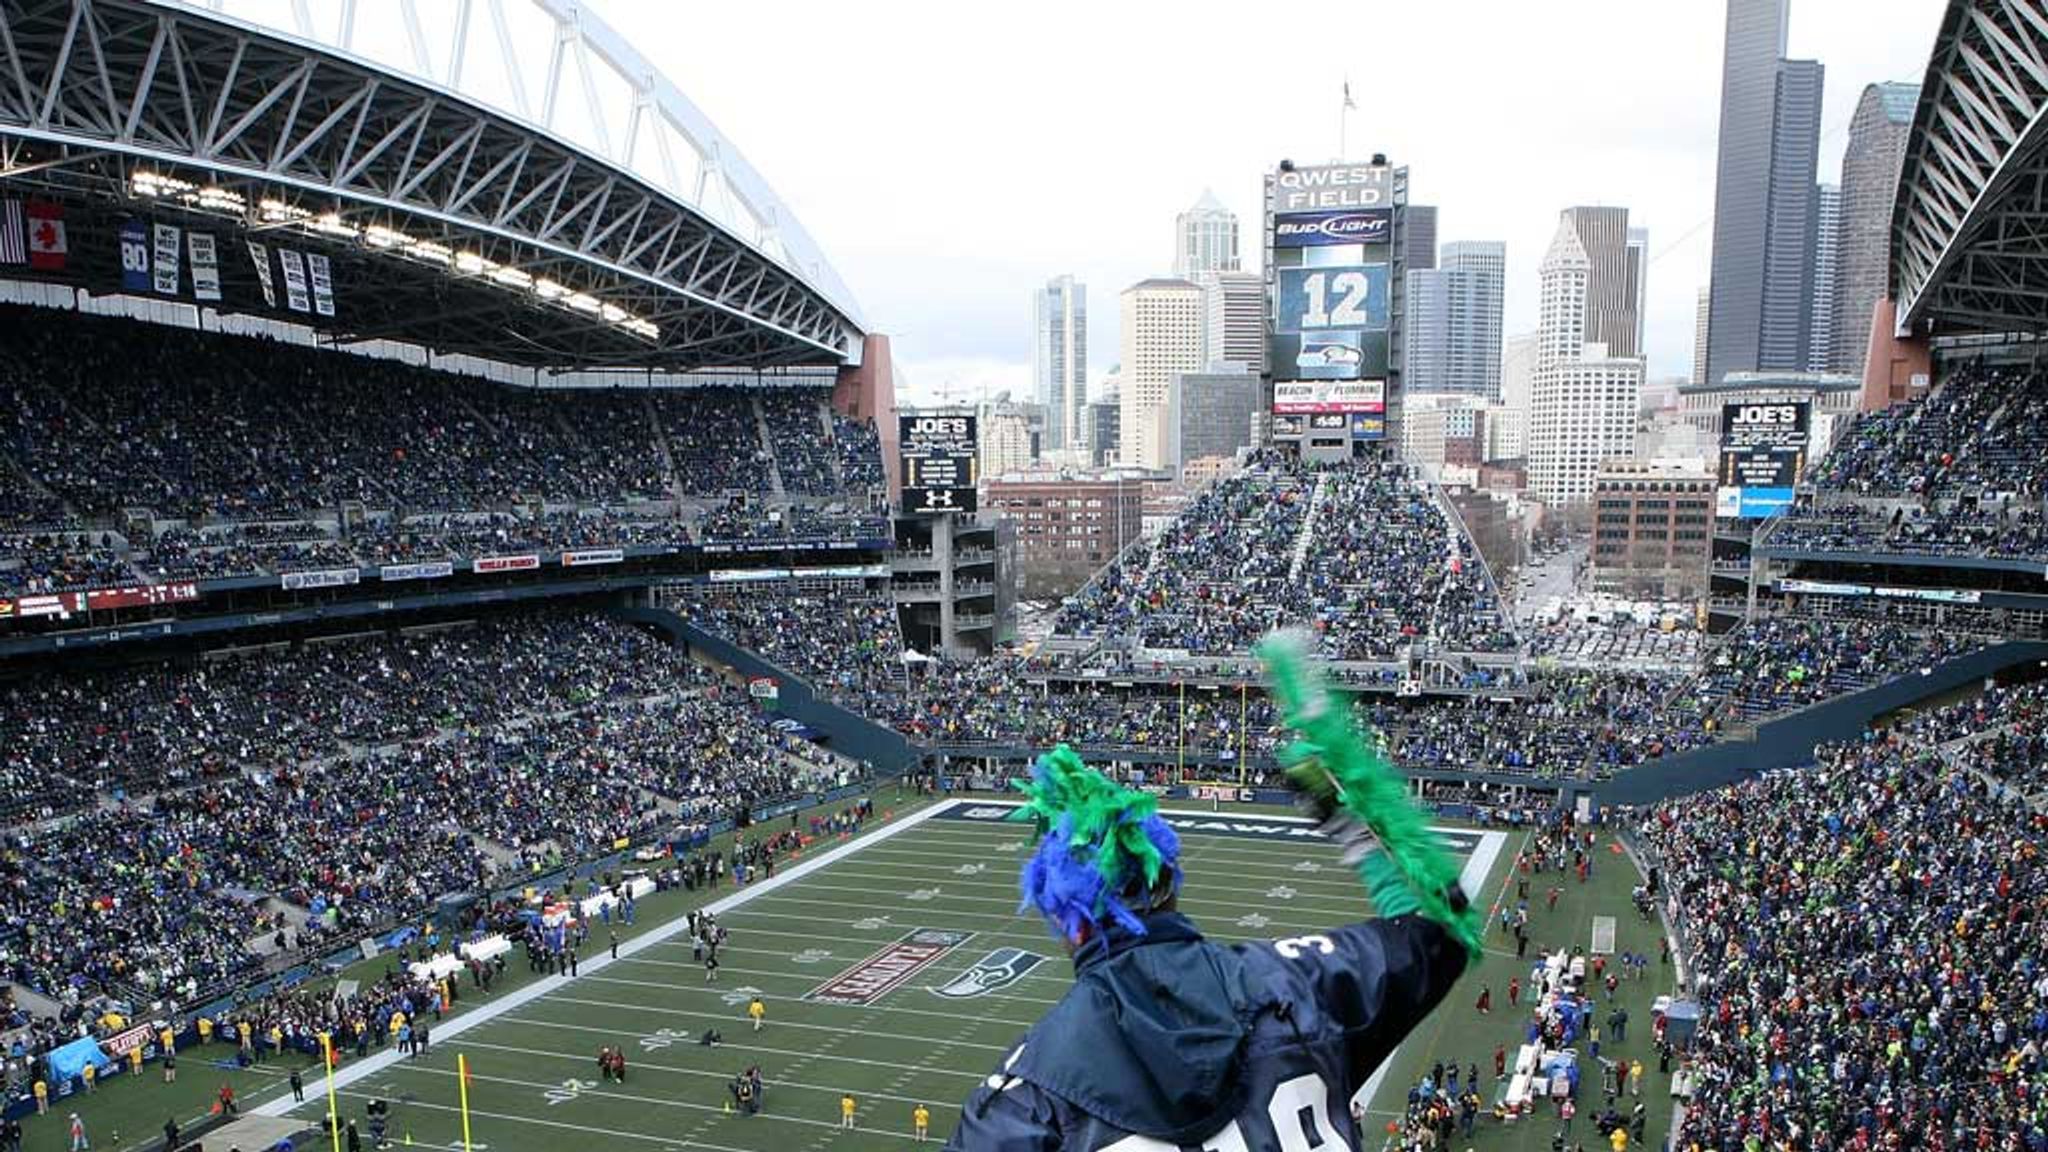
(636, 1065)
(669, 1141)
(1472, 879)
(370, 1066)
(1196, 910)
(600, 1093)
(713, 988)
(866, 1033)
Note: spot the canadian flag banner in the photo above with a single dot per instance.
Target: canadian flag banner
(46, 244)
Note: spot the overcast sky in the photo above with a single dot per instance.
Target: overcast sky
(951, 157)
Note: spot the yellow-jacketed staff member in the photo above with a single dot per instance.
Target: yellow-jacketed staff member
(921, 1120)
(845, 1110)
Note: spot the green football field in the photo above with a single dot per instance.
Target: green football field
(860, 954)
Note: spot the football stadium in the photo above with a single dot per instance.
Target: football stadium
(489, 661)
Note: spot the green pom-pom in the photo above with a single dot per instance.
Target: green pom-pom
(1341, 769)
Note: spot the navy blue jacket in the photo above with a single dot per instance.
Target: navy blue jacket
(1167, 1041)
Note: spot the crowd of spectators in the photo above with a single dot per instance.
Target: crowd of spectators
(1570, 725)
(1951, 528)
(142, 729)
(1985, 429)
(245, 450)
(2001, 734)
(1961, 471)
(354, 782)
(1358, 551)
(805, 456)
(1866, 941)
(1214, 580)
(38, 562)
(1583, 723)
(1777, 663)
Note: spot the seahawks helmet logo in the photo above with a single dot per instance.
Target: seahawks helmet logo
(997, 970)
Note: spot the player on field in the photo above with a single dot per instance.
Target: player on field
(1169, 1041)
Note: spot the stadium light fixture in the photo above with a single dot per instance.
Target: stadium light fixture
(584, 302)
(277, 211)
(512, 277)
(549, 290)
(473, 264)
(157, 184)
(221, 200)
(378, 236)
(429, 251)
(332, 224)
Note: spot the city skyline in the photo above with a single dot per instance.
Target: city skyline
(943, 274)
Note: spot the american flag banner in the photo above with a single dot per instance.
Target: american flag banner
(13, 247)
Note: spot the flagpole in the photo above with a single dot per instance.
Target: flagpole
(1243, 690)
(1344, 123)
(1183, 726)
(462, 1079)
(333, 1109)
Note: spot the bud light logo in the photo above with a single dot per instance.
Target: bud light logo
(1320, 229)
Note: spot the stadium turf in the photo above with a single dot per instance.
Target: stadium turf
(851, 950)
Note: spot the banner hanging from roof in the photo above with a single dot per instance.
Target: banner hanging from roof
(260, 256)
(323, 283)
(166, 265)
(205, 265)
(294, 280)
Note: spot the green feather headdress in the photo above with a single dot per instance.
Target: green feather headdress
(1100, 846)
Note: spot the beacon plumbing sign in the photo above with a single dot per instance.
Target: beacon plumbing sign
(1333, 187)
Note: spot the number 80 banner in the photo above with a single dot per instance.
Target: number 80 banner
(1335, 297)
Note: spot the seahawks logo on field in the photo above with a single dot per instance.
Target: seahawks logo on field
(997, 970)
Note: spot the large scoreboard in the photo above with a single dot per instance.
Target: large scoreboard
(1763, 450)
(1332, 316)
(939, 452)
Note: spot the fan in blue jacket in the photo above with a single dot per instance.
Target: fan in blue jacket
(1167, 1041)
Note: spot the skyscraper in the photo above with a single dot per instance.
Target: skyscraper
(1614, 276)
(1418, 244)
(1787, 332)
(1060, 361)
(1870, 184)
(1765, 201)
(1453, 333)
(1162, 336)
(1582, 403)
(1205, 239)
(1509, 435)
(1234, 319)
(1639, 285)
(1701, 314)
(1826, 266)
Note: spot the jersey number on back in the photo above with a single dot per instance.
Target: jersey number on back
(1299, 1112)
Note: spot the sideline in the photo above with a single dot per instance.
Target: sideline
(1472, 879)
(484, 1014)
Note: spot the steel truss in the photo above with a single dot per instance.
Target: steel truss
(1970, 227)
(94, 91)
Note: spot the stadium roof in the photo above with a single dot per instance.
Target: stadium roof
(1969, 232)
(452, 223)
